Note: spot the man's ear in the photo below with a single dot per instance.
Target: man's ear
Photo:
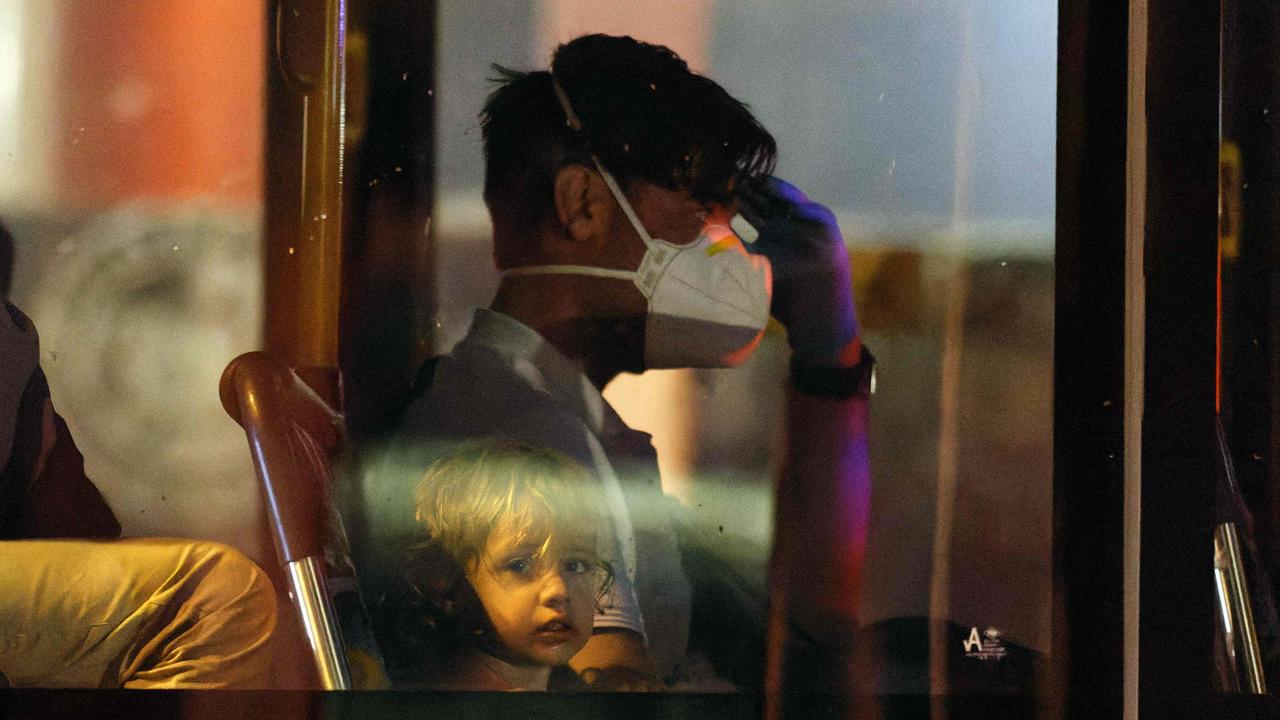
(580, 205)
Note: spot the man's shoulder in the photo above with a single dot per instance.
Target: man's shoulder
(479, 394)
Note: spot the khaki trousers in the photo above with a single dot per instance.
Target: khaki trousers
(133, 613)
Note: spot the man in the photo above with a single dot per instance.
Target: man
(612, 181)
(79, 608)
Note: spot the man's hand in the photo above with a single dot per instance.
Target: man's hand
(812, 292)
(615, 661)
(619, 679)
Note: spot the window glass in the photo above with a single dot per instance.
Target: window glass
(928, 128)
(131, 137)
(132, 141)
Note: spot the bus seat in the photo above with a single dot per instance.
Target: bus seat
(293, 438)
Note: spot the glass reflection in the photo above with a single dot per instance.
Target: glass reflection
(134, 194)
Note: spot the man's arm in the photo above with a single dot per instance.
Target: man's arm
(823, 493)
(615, 660)
(823, 502)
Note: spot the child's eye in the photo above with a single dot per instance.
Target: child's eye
(576, 567)
(519, 565)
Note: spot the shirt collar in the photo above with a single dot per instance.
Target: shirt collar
(543, 366)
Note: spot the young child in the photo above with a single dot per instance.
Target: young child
(510, 573)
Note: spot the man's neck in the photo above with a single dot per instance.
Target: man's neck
(602, 347)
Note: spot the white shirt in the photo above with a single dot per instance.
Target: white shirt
(504, 379)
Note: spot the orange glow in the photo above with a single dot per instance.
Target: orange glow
(664, 404)
(721, 245)
(682, 25)
(739, 356)
(851, 353)
(161, 99)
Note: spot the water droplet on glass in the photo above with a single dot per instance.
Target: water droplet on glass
(1004, 263)
(324, 216)
(431, 92)
(398, 168)
(881, 98)
(404, 76)
(175, 247)
(290, 251)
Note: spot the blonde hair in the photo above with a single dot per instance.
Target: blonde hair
(464, 495)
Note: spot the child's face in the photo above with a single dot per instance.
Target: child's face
(541, 606)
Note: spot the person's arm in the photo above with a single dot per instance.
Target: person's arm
(61, 501)
(615, 660)
(823, 492)
(43, 489)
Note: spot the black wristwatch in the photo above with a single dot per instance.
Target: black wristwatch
(835, 382)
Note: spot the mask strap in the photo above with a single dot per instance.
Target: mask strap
(571, 270)
(572, 119)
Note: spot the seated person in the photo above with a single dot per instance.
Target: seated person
(511, 573)
(81, 608)
(611, 179)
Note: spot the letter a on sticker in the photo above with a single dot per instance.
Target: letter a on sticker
(974, 642)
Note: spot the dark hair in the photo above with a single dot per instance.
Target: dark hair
(644, 114)
(442, 610)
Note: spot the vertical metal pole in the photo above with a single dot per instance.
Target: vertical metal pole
(1235, 605)
(1241, 638)
(1231, 679)
(319, 622)
(306, 87)
(306, 82)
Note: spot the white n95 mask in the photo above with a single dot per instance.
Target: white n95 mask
(708, 300)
